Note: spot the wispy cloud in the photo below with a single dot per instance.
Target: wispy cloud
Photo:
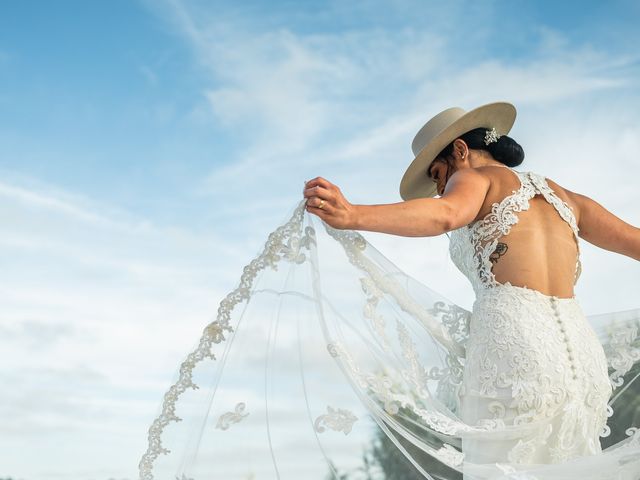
(82, 286)
(346, 104)
(50, 203)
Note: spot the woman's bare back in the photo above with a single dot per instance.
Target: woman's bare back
(540, 251)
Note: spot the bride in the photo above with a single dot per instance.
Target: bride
(524, 386)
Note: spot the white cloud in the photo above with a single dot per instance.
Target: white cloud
(334, 102)
(82, 287)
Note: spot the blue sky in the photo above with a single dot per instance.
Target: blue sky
(107, 97)
(147, 149)
(95, 97)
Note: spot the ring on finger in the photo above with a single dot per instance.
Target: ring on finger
(321, 204)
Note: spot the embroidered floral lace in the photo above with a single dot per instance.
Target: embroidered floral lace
(329, 362)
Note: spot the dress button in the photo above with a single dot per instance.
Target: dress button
(569, 348)
(575, 377)
(573, 367)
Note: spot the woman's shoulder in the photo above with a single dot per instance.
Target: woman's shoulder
(556, 188)
(541, 180)
(568, 197)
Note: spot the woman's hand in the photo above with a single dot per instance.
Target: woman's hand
(325, 200)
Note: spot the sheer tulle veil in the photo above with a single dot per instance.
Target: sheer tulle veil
(328, 362)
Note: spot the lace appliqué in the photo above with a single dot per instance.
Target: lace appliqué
(623, 351)
(634, 434)
(392, 398)
(284, 244)
(226, 419)
(449, 455)
(337, 419)
(527, 357)
(456, 321)
(473, 246)
(485, 233)
(354, 244)
(374, 294)
(524, 451)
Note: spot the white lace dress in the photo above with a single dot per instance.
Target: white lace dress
(329, 362)
(529, 355)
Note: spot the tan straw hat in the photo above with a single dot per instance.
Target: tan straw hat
(439, 132)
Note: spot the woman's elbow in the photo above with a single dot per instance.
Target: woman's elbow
(448, 219)
(457, 214)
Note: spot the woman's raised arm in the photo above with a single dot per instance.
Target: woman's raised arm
(423, 217)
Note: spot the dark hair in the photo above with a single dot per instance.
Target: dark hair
(506, 150)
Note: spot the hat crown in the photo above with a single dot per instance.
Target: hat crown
(443, 129)
(434, 126)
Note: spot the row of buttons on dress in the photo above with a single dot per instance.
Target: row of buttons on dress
(554, 305)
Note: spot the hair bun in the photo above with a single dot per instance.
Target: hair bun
(507, 151)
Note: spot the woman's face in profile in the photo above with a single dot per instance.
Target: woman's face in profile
(440, 171)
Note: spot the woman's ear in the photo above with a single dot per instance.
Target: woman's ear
(460, 150)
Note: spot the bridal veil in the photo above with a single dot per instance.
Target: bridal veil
(328, 362)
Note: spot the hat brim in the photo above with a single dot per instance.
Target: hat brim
(415, 181)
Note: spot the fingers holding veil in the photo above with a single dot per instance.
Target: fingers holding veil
(325, 200)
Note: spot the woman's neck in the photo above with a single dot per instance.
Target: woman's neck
(482, 161)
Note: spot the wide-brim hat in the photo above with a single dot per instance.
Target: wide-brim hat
(439, 132)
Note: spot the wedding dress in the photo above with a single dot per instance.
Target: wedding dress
(327, 361)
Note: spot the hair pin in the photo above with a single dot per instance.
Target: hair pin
(491, 136)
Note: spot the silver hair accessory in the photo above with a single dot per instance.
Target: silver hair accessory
(491, 136)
